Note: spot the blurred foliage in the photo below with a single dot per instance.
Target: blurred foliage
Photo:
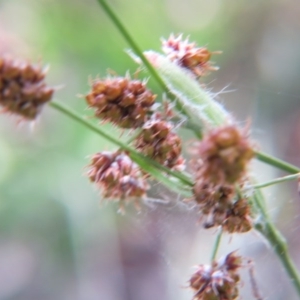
(55, 242)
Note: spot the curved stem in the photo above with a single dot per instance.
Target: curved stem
(275, 181)
(115, 19)
(217, 244)
(276, 162)
(274, 237)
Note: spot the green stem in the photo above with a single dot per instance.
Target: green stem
(274, 237)
(216, 244)
(134, 154)
(277, 180)
(276, 162)
(115, 19)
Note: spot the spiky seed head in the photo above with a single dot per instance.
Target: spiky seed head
(158, 141)
(219, 280)
(188, 55)
(225, 153)
(121, 101)
(117, 175)
(23, 90)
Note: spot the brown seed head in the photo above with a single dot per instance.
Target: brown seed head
(22, 88)
(225, 154)
(121, 101)
(238, 217)
(188, 55)
(158, 141)
(117, 175)
(217, 281)
(218, 205)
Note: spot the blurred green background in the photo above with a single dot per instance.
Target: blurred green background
(56, 241)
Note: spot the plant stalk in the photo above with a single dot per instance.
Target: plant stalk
(275, 181)
(274, 237)
(276, 162)
(216, 244)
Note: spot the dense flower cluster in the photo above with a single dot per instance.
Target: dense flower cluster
(188, 55)
(218, 281)
(238, 217)
(22, 88)
(158, 141)
(225, 153)
(224, 156)
(128, 104)
(121, 101)
(117, 175)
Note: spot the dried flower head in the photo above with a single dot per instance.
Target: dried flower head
(207, 194)
(22, 88)
(117, 175)
(188, 55)
(158, 141)
(213, 202)
(217, 281)
(224, 155)
(121, 101)
(220, 208)
(238, 217)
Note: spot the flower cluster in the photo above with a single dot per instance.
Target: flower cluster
(158, 141)
(188, 55)
(128, 104)
(22, 88)
(121, 101)
(117, 175)
(217, 281)
(224, 156)
(238, 217)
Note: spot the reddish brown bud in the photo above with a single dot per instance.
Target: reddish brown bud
(121, 101)
(22, 88)
(225, 154)
(158, 141)
(117, 175)
(217, 281)
(188, 55)
(218, 206)
(238, 217)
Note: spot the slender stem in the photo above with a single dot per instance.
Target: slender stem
(75, 116)
(276, 162)
(275, 181)
(115, 19)
(217, 244)
(278, 242)
(120, 26)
